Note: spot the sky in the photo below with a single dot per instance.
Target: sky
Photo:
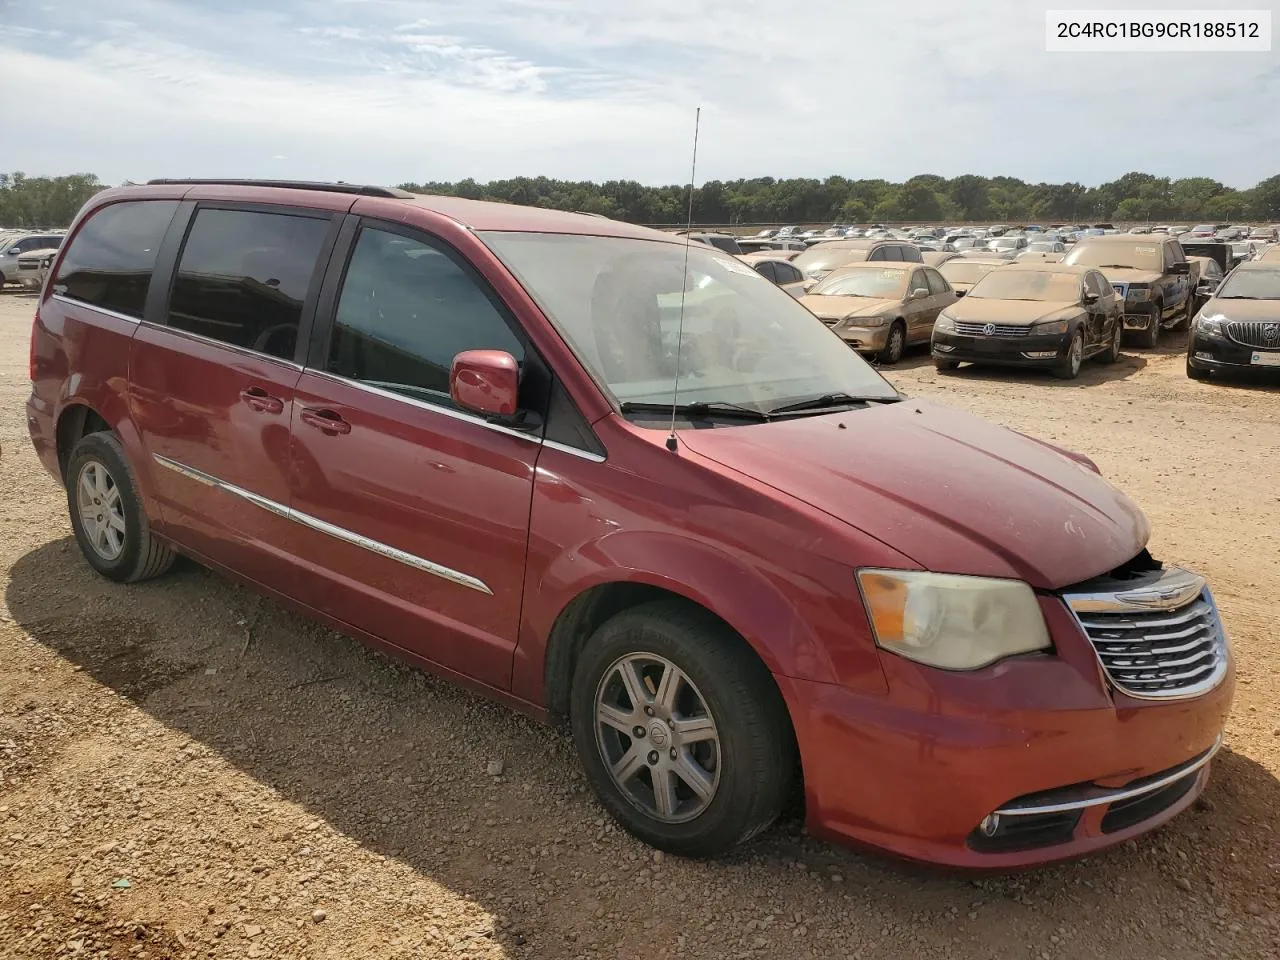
(389, 91)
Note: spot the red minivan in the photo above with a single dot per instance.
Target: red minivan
(628, 485)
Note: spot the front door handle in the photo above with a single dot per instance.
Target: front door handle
(326, 421)
(258, 399)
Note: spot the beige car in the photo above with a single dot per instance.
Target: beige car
(936, 258)
(963, 272)
(821, 259)
(775, 266)
(881, 308)
(1271, 254)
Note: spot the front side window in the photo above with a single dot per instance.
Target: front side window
(243, 277)
(786, 273)
(110, 261)
(936, 284)
(617, 303)
(1096, 284)
(407, 308)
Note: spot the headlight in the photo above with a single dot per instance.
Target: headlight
(1044, 329)
(950, 621)
(1139, 293)
(855, 321)
(1211, 326)
(944, 324)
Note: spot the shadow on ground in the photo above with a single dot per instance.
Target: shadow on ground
(395, 761)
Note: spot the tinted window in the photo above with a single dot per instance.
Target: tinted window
(1174, 254)
(405, 311)
(880, 253)
(910, 254)
(936, 283)
(109, 262)
(786, 273)
(765, 269)
(243, 277)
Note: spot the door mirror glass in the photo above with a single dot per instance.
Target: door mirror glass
(486, 382)
(1207, 289)
(1090, 298)
(919, 293)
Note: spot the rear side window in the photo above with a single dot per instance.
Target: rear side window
(406, 310)
(765, 269)
(109, 263)
(243, 277)
(786, 273)
(910, 254)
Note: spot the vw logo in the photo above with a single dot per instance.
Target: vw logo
(988, 328)
(1271, 334)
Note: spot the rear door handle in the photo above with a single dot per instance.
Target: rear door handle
(327, 421)
(258, 399)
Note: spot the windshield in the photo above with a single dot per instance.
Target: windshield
(616, 301)
(1042, 247)
(1015, 284)
(1139, 256)
(827, 257)
(883, 284)
(1004, 243)
(965, 271)
(1251, 285)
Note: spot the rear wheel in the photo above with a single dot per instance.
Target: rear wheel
(681, 730)
(1068, 368)
(896, 343)
(107, 515)
(1151, 336)
(1112, 353)
(1188, 311)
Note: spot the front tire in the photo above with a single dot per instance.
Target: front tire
(1068, 368)
(681, 730)
(895, 345)
(107, 514)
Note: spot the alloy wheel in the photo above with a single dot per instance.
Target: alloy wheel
(101, 510)
(657, 737)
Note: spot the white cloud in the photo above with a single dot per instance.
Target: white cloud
(393, 90)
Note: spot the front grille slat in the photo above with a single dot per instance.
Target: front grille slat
(1157, 653)
(1256, 333)
(999, 330)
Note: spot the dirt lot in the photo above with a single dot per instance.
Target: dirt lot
(189, 771)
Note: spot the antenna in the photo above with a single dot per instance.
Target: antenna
(684, 286)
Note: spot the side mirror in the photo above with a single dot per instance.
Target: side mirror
(961, 293)
(486, 382)
(1206, 289)
(1090, 299)
(1183, 267)
(919, 293)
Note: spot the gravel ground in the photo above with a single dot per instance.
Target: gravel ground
(189, 771)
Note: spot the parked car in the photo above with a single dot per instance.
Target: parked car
(963, 273)
(1150, 275)
(1206, 229)
(1267, 234)
(781, 246)
(779, 270)
(820, 261)
(1207, 275)
(1043, 251)
(880, 308)
(1032, 315)
(18, 244)
(445, 427)
(721, 241)
(1007, 246)
(1239, 325)
(1271, 254)
(33, 267)
(936, 258)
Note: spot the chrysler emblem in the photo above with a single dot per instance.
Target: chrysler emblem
(989, 329)
(1271, 334)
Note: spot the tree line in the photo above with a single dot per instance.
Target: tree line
(1135, 197)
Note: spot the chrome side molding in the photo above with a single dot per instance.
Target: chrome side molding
(322, 526)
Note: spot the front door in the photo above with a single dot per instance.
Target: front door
(212, 389)
(920, 311)
(414, 514)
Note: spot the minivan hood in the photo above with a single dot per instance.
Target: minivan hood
(1019, 312)
(952, 492)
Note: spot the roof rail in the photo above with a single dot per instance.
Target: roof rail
(339, 187)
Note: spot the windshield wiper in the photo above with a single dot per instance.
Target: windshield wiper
(700, 408)
(829, 401)
(1117, 266)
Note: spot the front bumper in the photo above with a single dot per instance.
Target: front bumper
(864, 339)
(916, 772)
(1139, 315)
(1207, 353)
(1005, 351)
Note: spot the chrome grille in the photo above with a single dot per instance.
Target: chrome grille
(1256, 333)
(1156, 639)
(999, 330)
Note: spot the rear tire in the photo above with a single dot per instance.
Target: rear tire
(728, 729)
(1151, 336)
(107, 514)
(895, 345)
(1188, 311)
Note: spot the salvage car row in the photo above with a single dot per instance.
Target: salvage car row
(25, 256)
(1037, 304)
